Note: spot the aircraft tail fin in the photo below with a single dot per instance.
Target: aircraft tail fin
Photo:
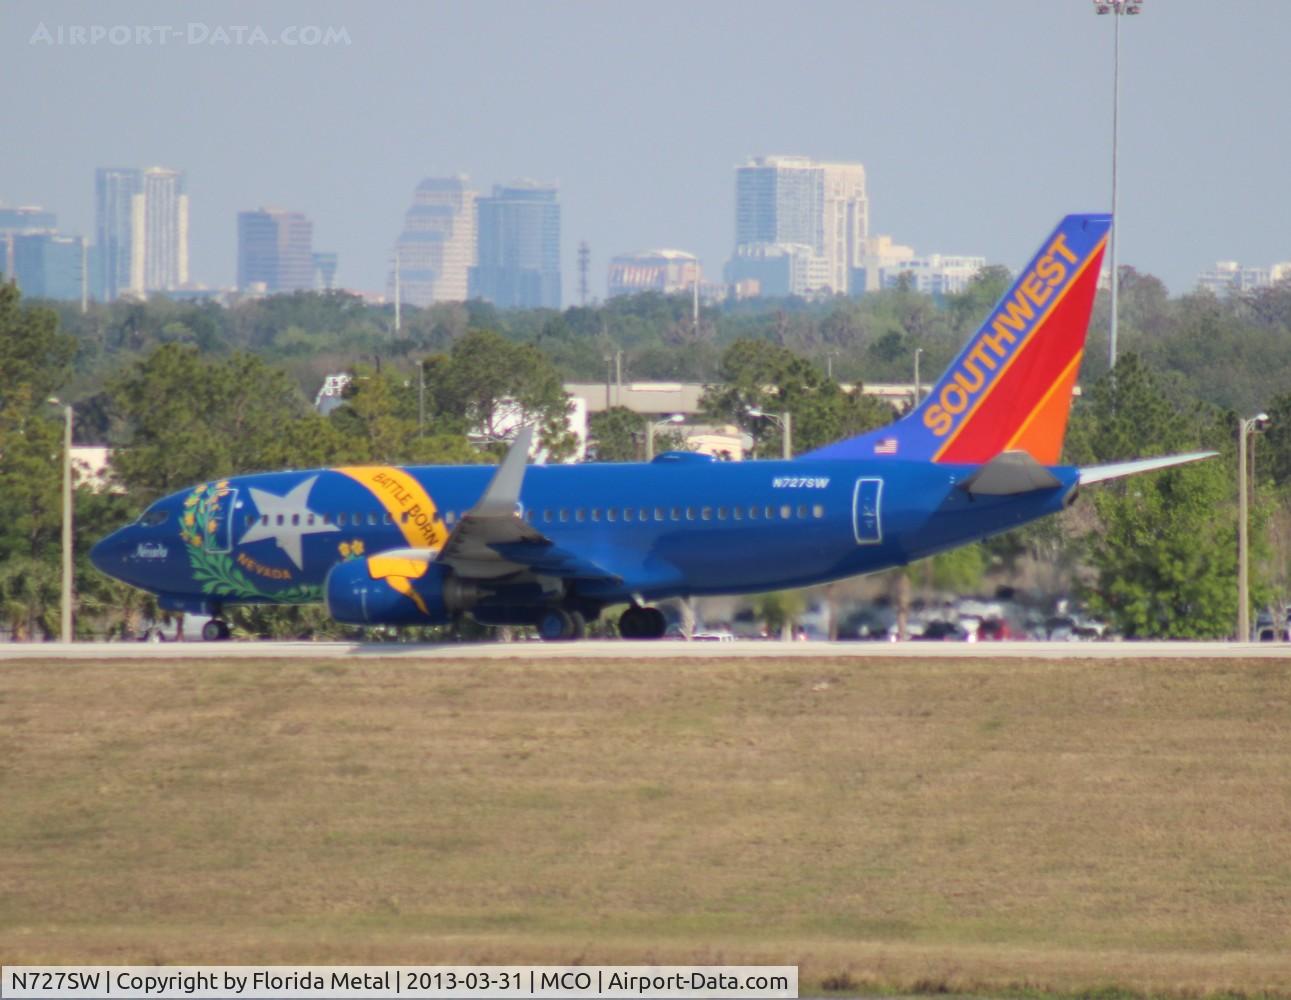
(1010, 387)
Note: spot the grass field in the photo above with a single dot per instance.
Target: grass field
(909, 825)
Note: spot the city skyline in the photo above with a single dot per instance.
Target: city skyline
(974, 124)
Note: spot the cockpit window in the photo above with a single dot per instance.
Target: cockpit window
(154, 517)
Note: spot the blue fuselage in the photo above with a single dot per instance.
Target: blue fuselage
(670, 528)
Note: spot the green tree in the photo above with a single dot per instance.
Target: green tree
(615, 435)
(1165, 554)
(34, 362)
(756, 374)
(486, 384)
(1274, 447)
(34, 355)
(31, 451)
(183, 417)
(30, 597)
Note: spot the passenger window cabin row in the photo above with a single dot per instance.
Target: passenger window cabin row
(754, 512)
(567, 515)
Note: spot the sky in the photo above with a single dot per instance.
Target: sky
(979, 123)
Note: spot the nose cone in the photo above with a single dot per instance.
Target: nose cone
(107, 554)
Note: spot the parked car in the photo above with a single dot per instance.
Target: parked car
(942, 631)
(994, 630)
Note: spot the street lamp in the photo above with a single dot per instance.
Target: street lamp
(676, 418)
(1247, 426)
(782, 420)
(918, 351)
(421, 396)
(65, 631)
(1115, 8)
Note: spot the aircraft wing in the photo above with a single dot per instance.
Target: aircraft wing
(1101, 473)
(492, 540)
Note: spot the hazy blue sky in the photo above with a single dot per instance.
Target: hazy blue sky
(979, 123)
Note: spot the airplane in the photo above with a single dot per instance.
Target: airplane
(552, 546)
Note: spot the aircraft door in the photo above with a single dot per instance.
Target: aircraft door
(222, 512)
(867, 517)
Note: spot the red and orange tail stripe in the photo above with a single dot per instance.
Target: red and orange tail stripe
(1027, 404)
(1010, 387)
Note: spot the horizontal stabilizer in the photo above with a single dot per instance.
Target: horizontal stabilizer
(1008, 473)
(1101, 473)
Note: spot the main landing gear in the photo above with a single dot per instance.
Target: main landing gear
(557, 624)
(642, 623)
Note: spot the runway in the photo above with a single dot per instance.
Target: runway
(615, 649)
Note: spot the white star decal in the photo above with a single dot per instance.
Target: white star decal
(295, 515)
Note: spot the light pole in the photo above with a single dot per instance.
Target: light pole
(398, 292)
(1116, 8)
(782, 420)
(421, 396)
(65, 630)
(1246, 426)
(917, 352)
(676, 418)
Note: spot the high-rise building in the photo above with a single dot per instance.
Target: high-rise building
(276, 249)
(26, 218)
(165, 229)
(777, 270)
(436, 249)
(115, 189)
(519, 247)
(664, 271)
(141, 231)
(23, 219)
(846, 220)
(49, 266)
(793, 201)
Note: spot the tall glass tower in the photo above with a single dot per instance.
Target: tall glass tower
(519, 247)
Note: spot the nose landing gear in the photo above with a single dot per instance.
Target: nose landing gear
(215, 630)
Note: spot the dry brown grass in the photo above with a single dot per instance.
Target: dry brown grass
(909, 824)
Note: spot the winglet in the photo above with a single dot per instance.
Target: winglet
(1102, 473)
(503, 494)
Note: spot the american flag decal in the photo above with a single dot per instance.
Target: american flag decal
(887, 446)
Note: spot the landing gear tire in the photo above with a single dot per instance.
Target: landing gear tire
(642, 623)
(556, 624)
(579, 625)
(215, 630)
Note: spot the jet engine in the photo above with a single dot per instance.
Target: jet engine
(402, 587)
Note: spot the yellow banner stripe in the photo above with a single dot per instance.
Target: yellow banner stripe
(408, 503)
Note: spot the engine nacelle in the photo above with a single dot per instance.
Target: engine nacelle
(396, 588)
